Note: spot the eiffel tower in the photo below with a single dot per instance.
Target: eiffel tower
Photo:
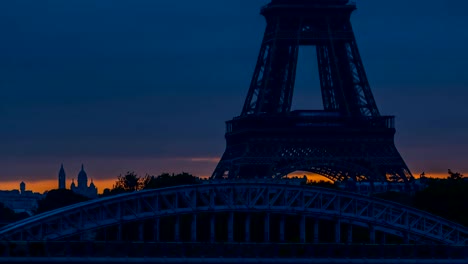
(348, 139)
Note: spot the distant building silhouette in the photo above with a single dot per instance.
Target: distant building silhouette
(83, 188)
(23, 187)
(61, 178)
(20, 200)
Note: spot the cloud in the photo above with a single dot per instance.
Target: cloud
(211, 160)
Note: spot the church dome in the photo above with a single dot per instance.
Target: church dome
(82, 173)
(82, 178)
(91, 185)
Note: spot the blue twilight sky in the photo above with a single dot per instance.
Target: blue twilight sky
(146, 85)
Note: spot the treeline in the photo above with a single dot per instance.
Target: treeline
(131, 182)
(7, 215)
(447, 197)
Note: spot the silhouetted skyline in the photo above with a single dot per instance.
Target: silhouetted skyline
(146, 85)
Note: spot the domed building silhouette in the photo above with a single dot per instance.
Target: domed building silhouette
(83, 188)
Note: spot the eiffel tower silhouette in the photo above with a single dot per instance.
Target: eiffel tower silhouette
(348, 139)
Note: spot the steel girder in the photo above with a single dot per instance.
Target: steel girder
(279, 197)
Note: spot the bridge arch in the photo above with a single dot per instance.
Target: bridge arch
(278, 197)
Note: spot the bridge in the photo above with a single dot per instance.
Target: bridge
(233, 208)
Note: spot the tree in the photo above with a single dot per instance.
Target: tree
(447, 198)
(55, 199)
(168, 180)
(323, 184)
(6, 214)
(454, 176)
(129, 182)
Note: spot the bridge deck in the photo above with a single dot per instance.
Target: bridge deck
(224, 252)
(226, 261)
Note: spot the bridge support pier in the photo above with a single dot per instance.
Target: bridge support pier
(266, 236)
(302, 229)
(231, 227)
(119, 232)
(156, 229)
(350, 234)
(247, 228)
(384, 239)
(407, 225)
(193, 228)
(406, 238)
(372, 234)
(212, 228)
(140, 232)
(338, 231)
(282, 229)
(177, 229)
(316, 230)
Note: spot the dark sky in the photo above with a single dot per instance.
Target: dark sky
(146, 85)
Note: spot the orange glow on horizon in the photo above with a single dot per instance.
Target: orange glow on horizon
(46, 185)
(316, 177)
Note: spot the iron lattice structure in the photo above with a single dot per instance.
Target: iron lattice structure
(241, 196)
(348, 139)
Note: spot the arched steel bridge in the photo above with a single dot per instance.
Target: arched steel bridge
(281, 197)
